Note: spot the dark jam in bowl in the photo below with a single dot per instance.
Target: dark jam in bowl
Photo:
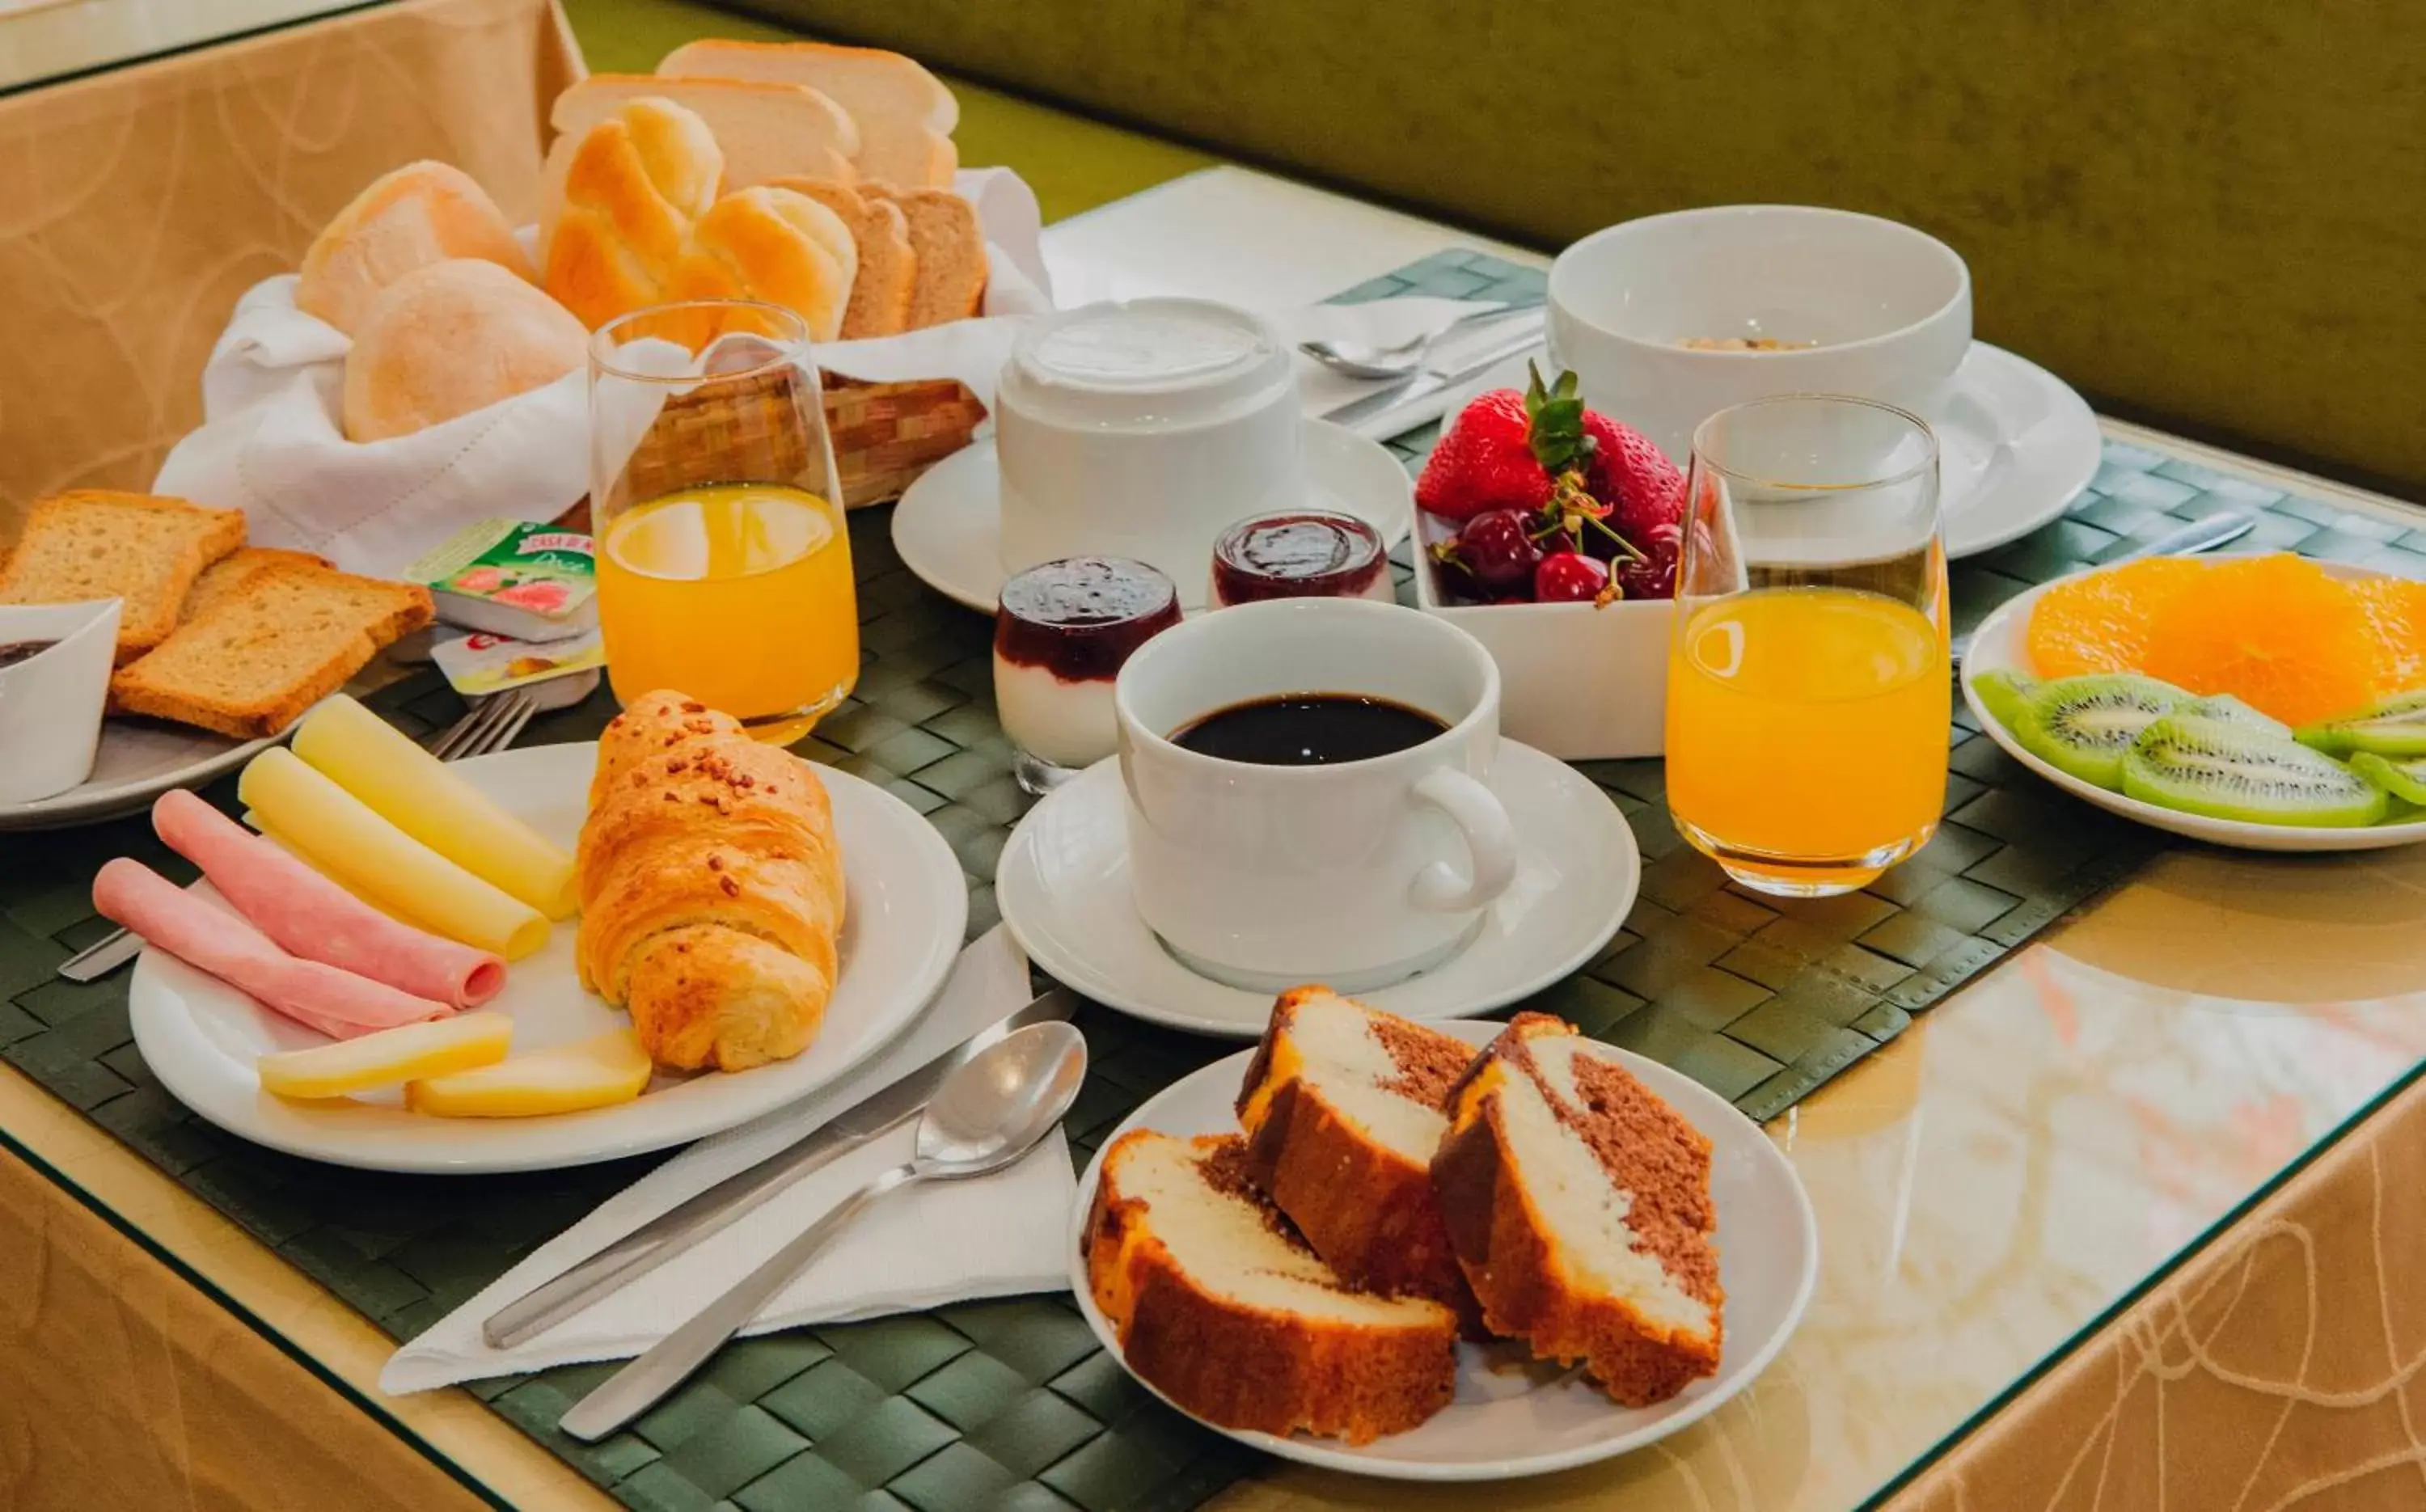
(1310, 553)
(1081, 616)
(23, 651)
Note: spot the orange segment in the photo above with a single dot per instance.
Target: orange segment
(2276, 631)
(2099, 623)
(2396, 613)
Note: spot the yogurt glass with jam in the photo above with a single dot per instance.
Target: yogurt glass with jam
(1062, 631)
(1300, 554)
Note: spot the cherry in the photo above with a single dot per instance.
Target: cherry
(1654, 576)
(1568, 577)
(1455, 583)
(1499, 549)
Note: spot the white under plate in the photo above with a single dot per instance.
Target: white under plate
(907, 905)
(1513, 1417)
(1063, 888)
(138, 760)
(949, 524)
(1999, 644)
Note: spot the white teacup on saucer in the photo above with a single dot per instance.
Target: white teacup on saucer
(51, 699)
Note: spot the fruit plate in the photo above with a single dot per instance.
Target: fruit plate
(1998, 645)
(906, 908)
(1513, 1416)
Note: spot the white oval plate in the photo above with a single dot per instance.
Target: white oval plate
(1536, 1417)
(949, 526)
(1063, 888)
(138, 760)
(907, 905)
(1998, 644)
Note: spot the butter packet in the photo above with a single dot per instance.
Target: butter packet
(480, 664)
(509, 577)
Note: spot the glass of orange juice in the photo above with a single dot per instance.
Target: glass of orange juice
(1809, 695)
(723, 562)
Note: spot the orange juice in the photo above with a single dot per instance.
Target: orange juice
(1808, 734)
(738, 594)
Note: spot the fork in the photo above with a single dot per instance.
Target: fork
(491, 725)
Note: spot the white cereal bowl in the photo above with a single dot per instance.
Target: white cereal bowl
(1889, 306)
(50, 702)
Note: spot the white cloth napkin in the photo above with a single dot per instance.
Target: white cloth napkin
(995, 1236)
(271, 443)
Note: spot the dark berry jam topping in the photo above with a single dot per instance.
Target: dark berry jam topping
(1080, 617)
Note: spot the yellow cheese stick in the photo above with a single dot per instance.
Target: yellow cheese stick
(417, 1050)
(333, 831)
(587, 1073)
(419, 794)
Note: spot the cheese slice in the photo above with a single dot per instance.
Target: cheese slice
(341, 837)
(429, 800)
(588, 1073)
(391, 1056)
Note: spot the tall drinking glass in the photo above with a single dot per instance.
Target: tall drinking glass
(1808, 699)
(723, 563)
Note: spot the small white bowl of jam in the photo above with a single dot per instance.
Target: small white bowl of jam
(55, 664)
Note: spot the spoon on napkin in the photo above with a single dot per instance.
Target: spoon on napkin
(990, 1112)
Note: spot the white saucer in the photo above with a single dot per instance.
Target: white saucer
(1063, 888)
(949, 526)
(1512, 1418)
(138, 760)
(2015, 447)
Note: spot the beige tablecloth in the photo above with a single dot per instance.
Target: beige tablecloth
(137, 204)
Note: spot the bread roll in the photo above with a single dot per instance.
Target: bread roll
(631, 190)
(448, 339)
(711, 890)
(420, 214)
(880, 291)
(777, 246)
(904, 113)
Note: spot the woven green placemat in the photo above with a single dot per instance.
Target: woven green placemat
(1008, 1404)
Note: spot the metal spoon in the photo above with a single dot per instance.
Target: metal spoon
(987, 1115)
(1366, 361)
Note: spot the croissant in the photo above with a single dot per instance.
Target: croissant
(711, 887)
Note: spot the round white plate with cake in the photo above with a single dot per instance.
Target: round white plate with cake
(1291, 1244)
(906, 909)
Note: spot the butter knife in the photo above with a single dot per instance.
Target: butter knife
(708, 1212)
(1413, 400)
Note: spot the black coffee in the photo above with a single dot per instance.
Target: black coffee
(24, 651)
(1309, 729)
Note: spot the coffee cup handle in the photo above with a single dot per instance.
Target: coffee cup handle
(1490, 843)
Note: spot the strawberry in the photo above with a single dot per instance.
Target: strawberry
(1634, 477)
(1503, 450)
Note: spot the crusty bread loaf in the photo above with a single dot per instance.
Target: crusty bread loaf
(144, 551)
(887, 279)
(904, 113)
(773, 245)
(419, 213)
(765, 131)
(448, 339)
(950, 249)
(284, 638)
(636, 183)
(223, 578)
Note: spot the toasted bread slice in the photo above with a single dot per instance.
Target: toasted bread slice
(230, 572)
(888, 268)
(269, 649)
(950, 249)
(141, 550)
(904, 113)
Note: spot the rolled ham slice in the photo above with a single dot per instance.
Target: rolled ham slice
(311, 916)
(204, 934)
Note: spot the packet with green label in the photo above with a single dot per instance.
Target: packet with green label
(510, 577)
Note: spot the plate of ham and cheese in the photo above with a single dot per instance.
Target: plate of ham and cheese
(390, 964)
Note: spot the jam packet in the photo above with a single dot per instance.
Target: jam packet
(480, 664)
(509, 577)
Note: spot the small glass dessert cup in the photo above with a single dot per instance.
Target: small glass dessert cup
(1300, 554)
(1062, 631)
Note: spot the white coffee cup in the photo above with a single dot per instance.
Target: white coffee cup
(1143, 428)
(1356, 875)
(1889, 306)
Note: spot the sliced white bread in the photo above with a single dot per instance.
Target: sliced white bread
(221, 579)
(142, 549)
(887, 279)
(950, 249)
(905, 114)
(767, 131)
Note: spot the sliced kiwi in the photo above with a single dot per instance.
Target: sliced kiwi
(2231, 711)
(2003, 693)
(2396, 727)
(2225, 771)
(2403, 778)
(2083, 725)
